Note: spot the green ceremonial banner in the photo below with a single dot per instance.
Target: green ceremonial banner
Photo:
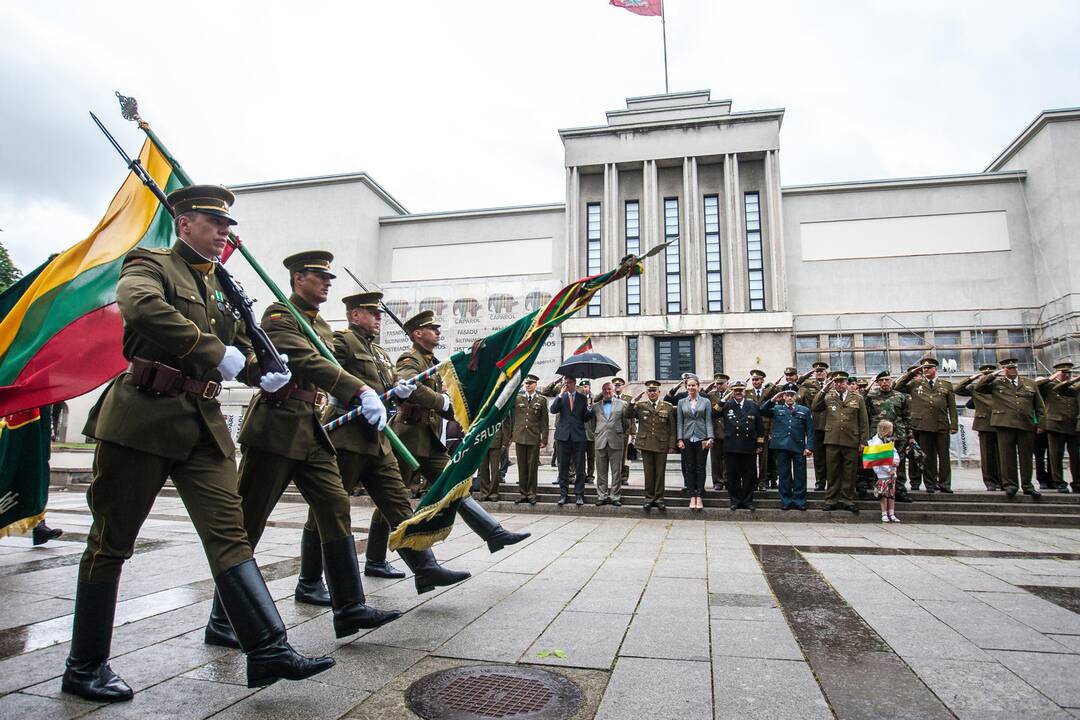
(24, 470)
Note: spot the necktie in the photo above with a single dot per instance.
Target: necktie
(571, 396)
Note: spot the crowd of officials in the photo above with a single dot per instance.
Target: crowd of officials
(755, 436)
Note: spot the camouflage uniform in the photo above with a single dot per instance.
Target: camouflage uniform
(896, 408)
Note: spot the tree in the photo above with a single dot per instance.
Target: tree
(8, 272)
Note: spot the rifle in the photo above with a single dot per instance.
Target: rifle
(382, 305)
(267, 355)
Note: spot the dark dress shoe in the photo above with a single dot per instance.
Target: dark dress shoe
(616, 503)
(1010, 493)
(905, 498)
(95, 680)
(801, 508)
(660, 506)
(734, 507)
(947, 491)
(646, 505)
(43, 533)
(562, 501)
(532, 501)
(1063, 489)
(853, 509)
(519, 501)
(785, 508)
(750, 506)
(829, 507)
(1033, 493)
(383, 570)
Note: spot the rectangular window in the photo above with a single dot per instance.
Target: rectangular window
(674, 356)
(840, 356)
(632, 227)
(631, 359)
(717, 353)
(754, 263)
(714, 285)
(1024, 357)
(910, 357)
(805, 360)
(592, 252)
(984, 352)
(874, 361)
(673, 272)
(947, 354)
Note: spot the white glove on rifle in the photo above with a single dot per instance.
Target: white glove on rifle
(403, 389)
(233, 362)
(372, 408)
(272, 382)
(445, 402)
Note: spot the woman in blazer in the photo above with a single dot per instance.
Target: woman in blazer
(695, 434)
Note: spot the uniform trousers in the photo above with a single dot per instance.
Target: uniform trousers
(988, 459)
(842, 461)
(792, 471)
(1016, 449)
(126, 482)
(381, 478)
(741, 478)
(654, 467)
(528, 461)
(716, 463)
(264, 475)
(766, 465)
(571, 452)
(490, 473)
(1059, 444)
(937, 468)
(609, 462)
(693, 467)
(1042, 469)
(431, 466)
(821, 466)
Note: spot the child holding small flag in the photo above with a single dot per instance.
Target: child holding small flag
(880, 455)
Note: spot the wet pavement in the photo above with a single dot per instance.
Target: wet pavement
(648, 617)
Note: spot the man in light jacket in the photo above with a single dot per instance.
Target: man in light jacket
(612, 424)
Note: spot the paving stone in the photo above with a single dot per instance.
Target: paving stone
(20, 705)
(676, 636)
(1056, 676)
(177, 699)
(1035, 612)
(504, 632)
(749, 688)
(979, 690)
(674, 596)
(608, 596)
(635, 690)
(990, 629)
(302, 700)
(590, 640)
(741, 638)
(739, 583)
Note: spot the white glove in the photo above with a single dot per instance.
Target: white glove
(272, 382)
(445, 402)
(372, 408)
(233, 362)
(403, 389)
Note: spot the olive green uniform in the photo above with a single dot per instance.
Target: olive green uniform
(419, 422)
(988, 452)
(491, 468)
(174, 313)
(716, 452)
(1060, 426)
(934, 419)
(847, 428)
(895, 407)
(529, 431)
(283, 441)
(766, 461)
(808, 390)
(655, 436)
(1017, 411)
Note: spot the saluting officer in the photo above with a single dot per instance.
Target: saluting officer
(1059, 392)
(809, 387)
(283, 441)
(364, 456)
(983, 406)
(655, 439)
(161, 419)
(618, 384)
(745, 440)
(419, 425)
(847, 428)
(530, 434)
(1018, 410)
(715, 393)
(933, 418)
(760, 391)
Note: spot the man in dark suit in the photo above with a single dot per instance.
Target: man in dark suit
(572, 409)
(744, 440)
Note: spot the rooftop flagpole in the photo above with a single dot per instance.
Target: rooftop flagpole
(663, 30)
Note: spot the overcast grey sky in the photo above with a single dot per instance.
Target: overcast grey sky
(454, 105)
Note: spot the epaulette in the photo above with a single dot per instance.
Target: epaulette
(161, 251)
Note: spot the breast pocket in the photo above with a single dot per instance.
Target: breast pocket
(191, 304)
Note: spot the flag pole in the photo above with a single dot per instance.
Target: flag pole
(663, 30)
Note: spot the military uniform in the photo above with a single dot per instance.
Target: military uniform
(847, 428)
(988, 452)
(766, 463)
(1017, 410)
(808, 390)
(716, 452)
(933, 418)
(491, 469)
(529, 433)
(655, 437)
(629, 433)
(895, 407)
(745, 430)
(1060, 425)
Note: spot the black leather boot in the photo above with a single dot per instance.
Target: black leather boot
(88, 673)
(375, 564)
(488, 528)
(347, 590)
(309, 587)
(218, 630)
(259, 629)
(429, 574)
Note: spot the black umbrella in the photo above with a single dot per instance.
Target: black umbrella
(590, 365)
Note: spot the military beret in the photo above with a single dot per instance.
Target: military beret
(839, 375)
(819, 365)
(363, 300)
(310, 261)
(757, 373)
(584, 383)
(790, 371)
(720, 376)
(1008, 363)
(531, 378)
(652, 384)
(882, 375)
(1063, 365)
(928, 362)
(424, 318)
(989, 367)
(208, 199)
(738, 385)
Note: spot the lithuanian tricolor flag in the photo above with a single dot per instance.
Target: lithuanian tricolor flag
(60, 333)
(584, 347)
(482, 383)
(878, 455)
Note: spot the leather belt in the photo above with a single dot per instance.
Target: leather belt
(292, 391)
(158, 378)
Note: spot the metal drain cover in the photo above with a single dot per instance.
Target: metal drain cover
(479, 692)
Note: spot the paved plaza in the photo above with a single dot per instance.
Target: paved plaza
(650, 618)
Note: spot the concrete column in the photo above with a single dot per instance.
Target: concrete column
(739, 288)
(777, 249)
(727, 235)
(651, 217)
(693, 253)
(613, 296)
(574, 240)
